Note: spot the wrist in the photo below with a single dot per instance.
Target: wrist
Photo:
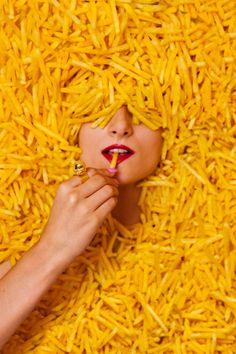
(50, 255)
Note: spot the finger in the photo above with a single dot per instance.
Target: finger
(70, 183)
(95, 183)
(103, 171)
(102, 195)
(106, 172)
(75, 181)
(104, 209)
(91, 171)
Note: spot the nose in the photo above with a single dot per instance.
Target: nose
(121, 123)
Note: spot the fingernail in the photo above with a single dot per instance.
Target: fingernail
(112, 170)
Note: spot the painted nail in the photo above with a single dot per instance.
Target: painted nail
(112, 170)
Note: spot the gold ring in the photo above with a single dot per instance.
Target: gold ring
(80, 170)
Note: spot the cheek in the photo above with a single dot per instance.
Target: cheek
(90, 141)
(152, 145)
(83, 135)
(83, 142)
(86, 135)
(149, 158)
(157, 148)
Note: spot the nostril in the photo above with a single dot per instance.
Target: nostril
(113, 132)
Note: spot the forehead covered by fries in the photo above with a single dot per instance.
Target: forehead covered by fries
(68, 62)
(115, 61)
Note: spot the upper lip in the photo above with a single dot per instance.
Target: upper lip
(117, 146)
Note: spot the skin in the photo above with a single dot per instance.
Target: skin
(145, 142)
(79, 209)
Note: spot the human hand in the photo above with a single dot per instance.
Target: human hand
(78, 211)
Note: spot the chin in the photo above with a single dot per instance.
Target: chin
(127, 178)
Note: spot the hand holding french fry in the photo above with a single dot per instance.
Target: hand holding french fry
(78, 211)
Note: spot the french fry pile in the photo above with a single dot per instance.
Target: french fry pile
(168, 285)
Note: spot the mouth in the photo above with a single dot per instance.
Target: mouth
(124, 152)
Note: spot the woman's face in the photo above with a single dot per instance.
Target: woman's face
(144, 142)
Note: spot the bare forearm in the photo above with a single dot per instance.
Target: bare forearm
(78, 211)
(23, 286)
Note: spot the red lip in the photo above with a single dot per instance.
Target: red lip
(120, 157)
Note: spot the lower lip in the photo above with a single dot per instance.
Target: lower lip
(120, 159)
